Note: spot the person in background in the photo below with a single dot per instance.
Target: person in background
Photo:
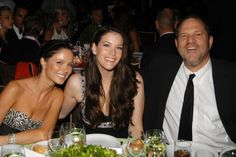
(16, 33)
(96, 23)
(10, 3)
(57, 29)
(123, 19)
(214, 121)
(6, 23)
(165, 25)
(110, 94)
(30, 107)
(28, 48)
(48, 7)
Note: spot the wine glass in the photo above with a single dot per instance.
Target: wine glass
(13, 150)
(135, 145)
(73, 134)
(155, 143)
(55, 142)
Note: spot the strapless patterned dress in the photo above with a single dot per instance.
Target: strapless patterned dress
(16, 121)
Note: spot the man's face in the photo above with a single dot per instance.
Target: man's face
(193, 44)
(19, 17)
(97, 16)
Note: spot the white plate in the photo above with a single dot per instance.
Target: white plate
(103, 140)
(41, 143)
(194, 147)
(30, 153)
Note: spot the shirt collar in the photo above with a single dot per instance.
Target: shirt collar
(166, 33)
(198, 73)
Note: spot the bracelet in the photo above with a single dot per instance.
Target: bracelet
(11, 138)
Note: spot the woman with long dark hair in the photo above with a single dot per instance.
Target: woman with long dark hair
(109, 92)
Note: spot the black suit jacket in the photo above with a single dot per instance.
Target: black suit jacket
(165, 44)
(11, 36)
(158, 79)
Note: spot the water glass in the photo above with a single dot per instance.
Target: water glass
(136, 145)
(182, 148)
(13, 150)
(72, 133)
(75, 136)
(155, 143)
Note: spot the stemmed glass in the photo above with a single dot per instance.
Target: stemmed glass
(73, 134)
(55, 142)
(155, 143)
(11, 150)
(135, 145)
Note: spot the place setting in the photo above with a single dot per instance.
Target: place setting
(71, 139)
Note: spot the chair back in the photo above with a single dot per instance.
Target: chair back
(25, 69)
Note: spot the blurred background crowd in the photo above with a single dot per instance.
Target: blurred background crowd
(132, 16)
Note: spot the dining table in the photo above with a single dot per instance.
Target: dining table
(121, 149)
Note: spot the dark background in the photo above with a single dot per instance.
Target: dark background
(220, 14)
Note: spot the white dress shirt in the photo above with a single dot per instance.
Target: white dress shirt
(16, 29)
(207, 126)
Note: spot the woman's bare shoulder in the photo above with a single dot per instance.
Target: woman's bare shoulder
(13, 88)
(74, 81)
(13, 85)
(74, 78)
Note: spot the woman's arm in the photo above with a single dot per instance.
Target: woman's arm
(138, 108)
(44, 132)
(72, 94)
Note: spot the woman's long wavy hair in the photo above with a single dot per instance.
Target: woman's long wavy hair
(123, 87)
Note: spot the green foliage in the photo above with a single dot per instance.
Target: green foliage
(85, 151)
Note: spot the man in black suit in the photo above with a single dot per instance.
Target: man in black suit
(165, 25)
(16, 33)
(27, 48)
(214, 120)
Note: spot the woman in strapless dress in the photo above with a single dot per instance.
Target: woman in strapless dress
(30, 106)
